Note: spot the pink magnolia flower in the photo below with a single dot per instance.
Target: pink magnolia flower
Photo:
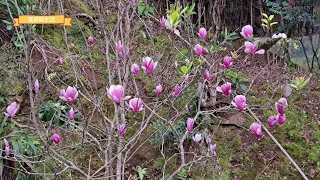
(158, 89)
(190, 123)
(134, 1)
(225, 89)
(202, 33)
(240, 102)
(36, 86)
(12, 109)
(136, 104)
(197, 138)
(135, 68)
(227, 62)
(6, 143)
(280, 35)
(281, 119)
(252, 48)
(127, 52)
(204, 51)
(69, 95)
(272, 120)
(213, 147)
(119, 47)
(207, 75)
(247, 31)
(256, 129)
(116, 93)
(190, 148)
(55, 138)
(122, 130)
(60, 61)
(186, 108)
(148, 65)
(176, 91)
(71, 114)
(198, 49)
(186, 78)
(90, 40)
(281, 105)
(163, 22)
(7, 150)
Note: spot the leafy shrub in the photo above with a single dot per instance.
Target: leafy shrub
(54, 112)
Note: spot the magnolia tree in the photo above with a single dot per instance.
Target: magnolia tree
(106, 136)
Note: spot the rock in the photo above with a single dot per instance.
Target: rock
(302, 51)
(287, 90)
(305, 52)
(279, 48)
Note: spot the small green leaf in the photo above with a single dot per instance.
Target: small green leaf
(7, 22)
(184, 10)
(171, 7)
(265, 15)
(151, 11)
(141, 9)
(174, 17)
(294, 86)
(271, 17)
(184, 70)
(192, 7)
(265, 21)
(234, 80)
(274, 23)
(190, 65)
(243, 87)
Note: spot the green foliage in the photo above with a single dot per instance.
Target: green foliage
(185, 69)
(182, 175)
(229, 36)
(227, 39)
(300, 82)
(17, 8)
(27, 145)
(175, 13)
(141, 172)
(54, 112)
(161, 42)
(267, 21)
(216, 48)
(237, 79)
(21, 142)
(276, 7)
(169, 135)
(144, 10)
(294, 14)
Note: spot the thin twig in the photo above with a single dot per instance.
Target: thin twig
(279, 145)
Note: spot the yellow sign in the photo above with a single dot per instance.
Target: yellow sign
(33, 19)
